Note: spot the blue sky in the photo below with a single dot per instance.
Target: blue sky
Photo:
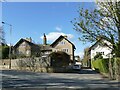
(32, 19)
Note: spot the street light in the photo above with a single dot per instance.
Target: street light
(10, 43)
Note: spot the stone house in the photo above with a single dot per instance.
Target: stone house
(25, 47)
(60, 44)
(63, 44)
(45, 50)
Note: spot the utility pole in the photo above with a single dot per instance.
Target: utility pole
(10, 43)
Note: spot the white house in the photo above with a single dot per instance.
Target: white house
(101, 46)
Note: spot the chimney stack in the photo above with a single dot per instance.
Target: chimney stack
(65, 36)
(99, 37)
(44, 40)
(29, 39)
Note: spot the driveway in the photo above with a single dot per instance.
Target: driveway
(84, 79)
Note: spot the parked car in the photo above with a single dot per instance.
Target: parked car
(76, 67)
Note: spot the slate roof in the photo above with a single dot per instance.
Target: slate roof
(3, 44)
(100, 40)
(95, 44)
(45, 47)
(22, 40)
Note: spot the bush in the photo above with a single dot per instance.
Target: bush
(117, 68)
(5, 52)
(101, 65)
(59, 59)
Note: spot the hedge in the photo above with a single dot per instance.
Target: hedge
(101, 65)
(117, 69)
(4, 51)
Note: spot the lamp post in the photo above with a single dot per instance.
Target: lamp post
(10, 43)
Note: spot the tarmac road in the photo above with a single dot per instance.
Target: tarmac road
(82, 80)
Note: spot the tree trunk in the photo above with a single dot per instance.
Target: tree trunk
(111, 74)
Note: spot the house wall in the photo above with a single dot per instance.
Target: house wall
(64, 45)
(35, 50)
(102, 49)
(24, 49)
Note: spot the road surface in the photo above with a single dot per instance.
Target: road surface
(82, 80)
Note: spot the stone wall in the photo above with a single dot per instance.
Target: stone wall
(25, 63)
(34, 65)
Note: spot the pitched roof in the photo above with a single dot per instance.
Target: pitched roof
(22, 40)
(95, 44)
(3, 44)
(61, 37)
(100, 40)
(45, 47)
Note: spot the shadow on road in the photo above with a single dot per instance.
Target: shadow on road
(19, 79)
(87, 71)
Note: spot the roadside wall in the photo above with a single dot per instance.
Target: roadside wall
(15, 63)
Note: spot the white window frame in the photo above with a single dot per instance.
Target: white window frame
(65, 50)
(62, 43)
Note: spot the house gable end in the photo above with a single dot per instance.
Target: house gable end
(60, 39)
(23, 40)
(101, 46)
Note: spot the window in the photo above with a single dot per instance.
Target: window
(61, 43)
(55, 50)
(100, 53)
(28, 52)
(65, 50)
(23, 45)
(47, 52)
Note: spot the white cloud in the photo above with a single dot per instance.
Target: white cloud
(52, 36)
(58, 28)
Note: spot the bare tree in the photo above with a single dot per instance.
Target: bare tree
(2, 35)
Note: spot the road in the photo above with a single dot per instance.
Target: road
(84, 79)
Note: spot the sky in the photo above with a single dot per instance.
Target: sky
(33, 19)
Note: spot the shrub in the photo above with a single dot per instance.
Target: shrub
(117, 68)
(59, 59)
(101, 65)
(5, 52)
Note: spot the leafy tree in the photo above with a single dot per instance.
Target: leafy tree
(86, 58)
(102, 22)
(5, 51)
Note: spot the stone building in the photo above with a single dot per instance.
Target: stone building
(25, 47)
(63, 44)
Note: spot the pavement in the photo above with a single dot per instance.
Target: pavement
(86, 79)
